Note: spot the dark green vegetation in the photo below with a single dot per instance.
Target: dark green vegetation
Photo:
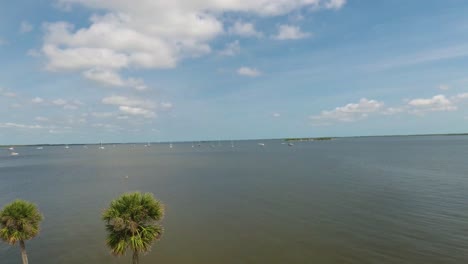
(308, 139)
(19, 222)
(132, 222)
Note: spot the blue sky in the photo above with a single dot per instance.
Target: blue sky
(77, 71)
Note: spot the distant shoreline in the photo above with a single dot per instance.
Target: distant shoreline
(208, 141)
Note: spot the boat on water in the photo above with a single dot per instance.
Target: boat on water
(170, 145)
(39, 148)
(11, 148)
(14, 154)
(67, 147)
(101, 146)
(290, 144)
(261, 144)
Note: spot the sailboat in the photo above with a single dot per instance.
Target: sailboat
(101, 146)
(14, 154)
(261, 144)
(39, 148)
(170, 145)
(232, 144)
(11, 148)
(67, 147)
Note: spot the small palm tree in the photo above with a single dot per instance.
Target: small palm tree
(132, 222)
(19, 221)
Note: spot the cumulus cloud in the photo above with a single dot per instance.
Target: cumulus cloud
(122, 100)
(231, 49)
(111, 78)
(132, 106)
(287, 32)
(37, 100)
(26, 27)
(137, 111)
(244, 29)
(335, 4)
(152, 34)
(247, 71)
(436, 103)
(350, 112)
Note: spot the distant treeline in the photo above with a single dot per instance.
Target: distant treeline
(308, 139)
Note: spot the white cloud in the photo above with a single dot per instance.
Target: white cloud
(276, 115)
(444, 87)
(166, 105)
(137, 111)
(436, 103)
(394, 110)
(102, 114)
(335, 4)
(37, 100)
(244, 30)
(231, 49)
(122, 100)
(41, 119)
(247, 71)
(6, 93)
(21, 126)
(59, 102)
(106, 77)
(26, 27)
(350, 112)
(461, 96)
(67, 105)
(152, 34)
(287, 32)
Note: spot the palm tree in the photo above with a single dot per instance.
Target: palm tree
(132, 222)
(19, 221)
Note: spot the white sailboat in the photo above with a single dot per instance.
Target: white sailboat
(261, 144)
(39, 148)
(11, 148)
(101, 146)
(14, 154)
(67, 147)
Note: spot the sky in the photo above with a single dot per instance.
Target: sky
(83, 71)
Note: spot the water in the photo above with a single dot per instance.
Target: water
(366, 200)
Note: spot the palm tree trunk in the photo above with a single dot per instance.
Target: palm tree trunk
(135, 257)
(23, 252)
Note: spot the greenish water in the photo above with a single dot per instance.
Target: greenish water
(366, 200)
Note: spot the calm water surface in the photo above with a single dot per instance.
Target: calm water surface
(367, 200)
